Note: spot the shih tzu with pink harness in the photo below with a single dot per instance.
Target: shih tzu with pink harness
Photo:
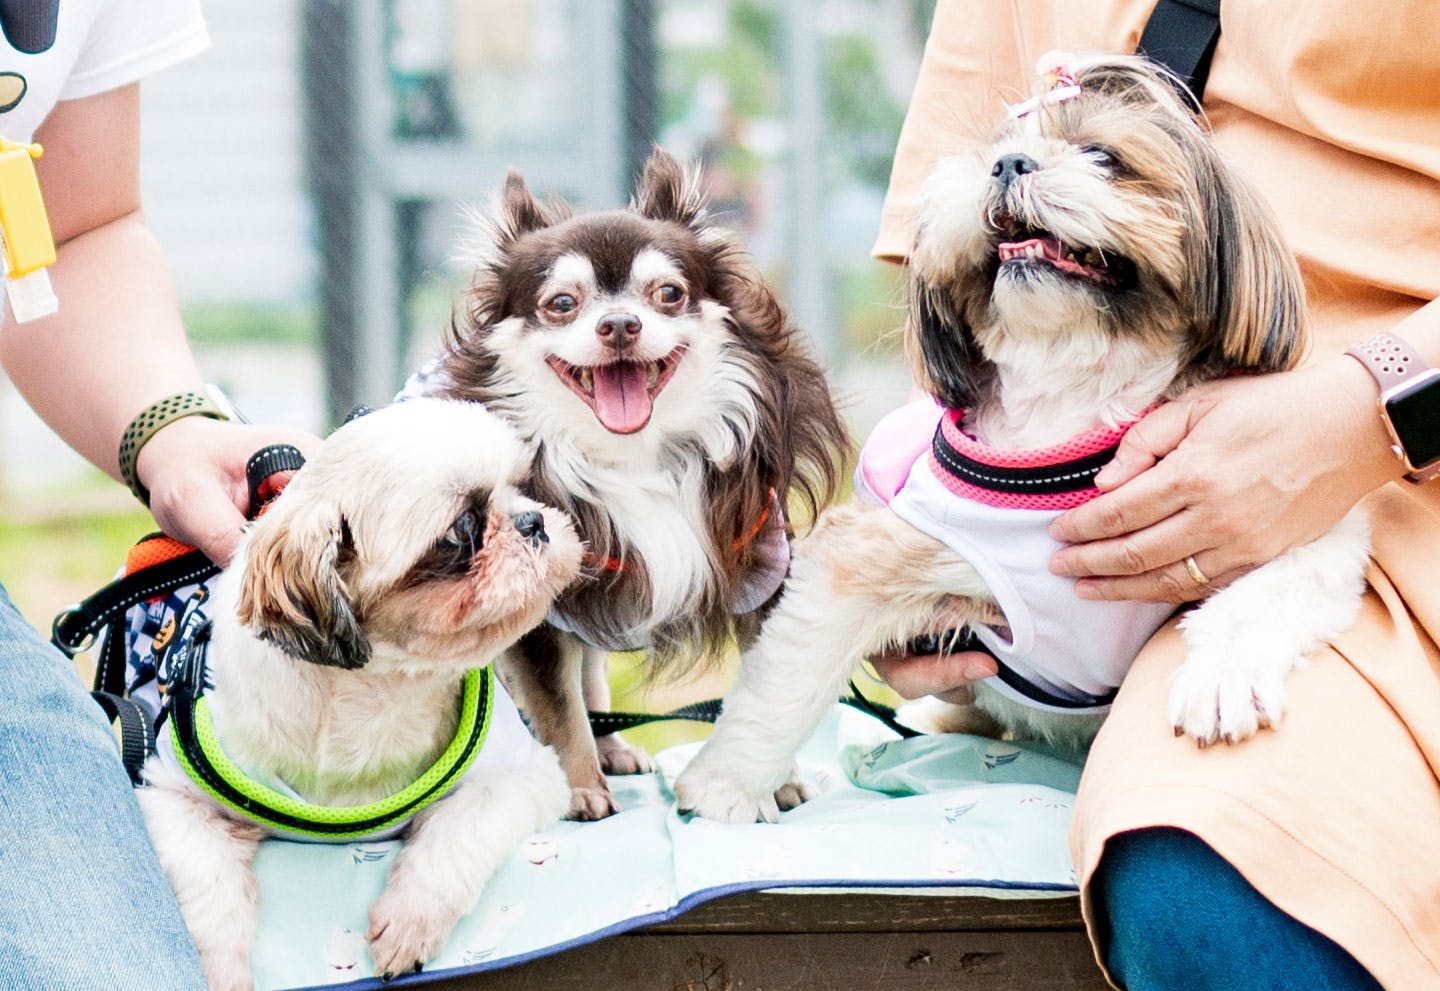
(1094, 259)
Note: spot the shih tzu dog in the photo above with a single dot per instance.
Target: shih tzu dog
(1093, 260)
(340, 690)
(671, 411)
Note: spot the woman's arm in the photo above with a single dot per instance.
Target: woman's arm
(1234, 473)
(117, 343)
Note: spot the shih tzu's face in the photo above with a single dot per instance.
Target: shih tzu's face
(399, 548)
(622, 329)
(1109, 215)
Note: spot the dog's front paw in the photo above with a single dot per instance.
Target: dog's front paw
(619, 756)
(1228, 698)
(406, 931)
(589, 803)
(725, 798)
(796, 791)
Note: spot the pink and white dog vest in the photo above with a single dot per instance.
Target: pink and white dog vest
(993, 508)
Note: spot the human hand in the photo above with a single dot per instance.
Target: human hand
(913, 674)
(195, 471)
(1231, 474)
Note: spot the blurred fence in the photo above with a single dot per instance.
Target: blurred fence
(306, 175)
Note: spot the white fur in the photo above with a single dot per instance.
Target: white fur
(651, 483)
(349, 737)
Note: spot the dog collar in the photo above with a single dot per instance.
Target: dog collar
(206, 763)
(1058, 477)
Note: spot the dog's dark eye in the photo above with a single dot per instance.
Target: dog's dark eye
(669, 294)
(1101, 156)
(466, 533)
(561, 302)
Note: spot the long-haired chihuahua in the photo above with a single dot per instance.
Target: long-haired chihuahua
(672, 411)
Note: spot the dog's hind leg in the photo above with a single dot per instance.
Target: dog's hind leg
(451, 850)
(544, 672)
(207, 858)
(617, 755)
(864, 580)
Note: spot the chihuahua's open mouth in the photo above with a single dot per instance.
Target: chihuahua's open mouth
(620, 393)
(1109, 271)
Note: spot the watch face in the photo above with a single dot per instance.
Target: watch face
(1415, 415)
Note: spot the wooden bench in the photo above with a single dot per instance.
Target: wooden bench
(822, 941)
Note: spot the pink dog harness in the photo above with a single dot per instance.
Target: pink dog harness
(993, 507)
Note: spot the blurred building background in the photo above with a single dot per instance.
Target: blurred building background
(308, 175)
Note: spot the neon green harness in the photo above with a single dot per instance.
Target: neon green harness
(202, 758)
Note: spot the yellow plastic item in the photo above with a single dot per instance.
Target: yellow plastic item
(27, 241)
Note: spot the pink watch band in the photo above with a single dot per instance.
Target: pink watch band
(1394, 364)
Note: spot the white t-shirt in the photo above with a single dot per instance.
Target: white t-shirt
(52, 51)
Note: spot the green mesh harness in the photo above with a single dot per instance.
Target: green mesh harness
(202, 758)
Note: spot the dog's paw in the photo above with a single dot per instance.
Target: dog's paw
(796, 791)
(406, 931)
(588, 803)
(726, 799)
(619, 756)
(1227, 699)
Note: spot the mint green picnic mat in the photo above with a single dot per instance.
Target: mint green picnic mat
(935, 811)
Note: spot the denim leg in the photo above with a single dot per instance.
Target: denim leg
(1180, 918)
(83, 903)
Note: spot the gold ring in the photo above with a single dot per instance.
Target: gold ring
(1195, 571)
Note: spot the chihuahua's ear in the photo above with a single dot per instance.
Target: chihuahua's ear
(670, 191)
(293, 592)
(517, 211)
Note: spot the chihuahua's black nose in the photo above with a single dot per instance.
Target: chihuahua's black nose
(618, 328)
(531, 524)
(1011, 167)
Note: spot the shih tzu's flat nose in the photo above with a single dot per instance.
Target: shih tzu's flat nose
(531, 524)
(618, 328)
(1008, 168)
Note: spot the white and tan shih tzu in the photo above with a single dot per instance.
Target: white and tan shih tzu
(1094, 259)
(342, 688)
(673, 411)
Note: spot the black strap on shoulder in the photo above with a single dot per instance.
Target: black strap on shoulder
(137, 739)
(1181, 35)
(74, 628)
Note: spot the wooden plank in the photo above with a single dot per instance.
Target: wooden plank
(789, 941)
(781, 912)
(974, 961)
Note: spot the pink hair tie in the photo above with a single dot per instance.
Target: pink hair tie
(1057, 80)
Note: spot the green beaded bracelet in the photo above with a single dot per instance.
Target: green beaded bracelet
(152, 418)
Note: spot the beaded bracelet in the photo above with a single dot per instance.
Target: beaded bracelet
(151, 419)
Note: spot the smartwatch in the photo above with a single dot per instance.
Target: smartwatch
(1409, 401)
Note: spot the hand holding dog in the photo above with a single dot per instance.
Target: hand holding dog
(1232, 474)
(195, 471)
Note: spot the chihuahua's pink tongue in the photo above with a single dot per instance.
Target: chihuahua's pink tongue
(622, 401)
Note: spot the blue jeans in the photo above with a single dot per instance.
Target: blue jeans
(83, 903)
(1180, 918)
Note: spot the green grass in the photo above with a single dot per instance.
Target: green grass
(252, 323)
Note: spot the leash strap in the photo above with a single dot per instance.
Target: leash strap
(137, 740)
(75, 628)
(1181, 35)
